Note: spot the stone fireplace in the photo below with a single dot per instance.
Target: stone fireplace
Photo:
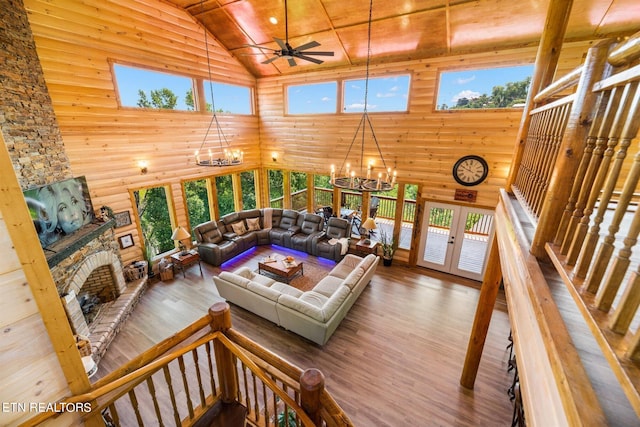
(90, 279)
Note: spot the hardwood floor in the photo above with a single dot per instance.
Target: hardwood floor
(395, 360)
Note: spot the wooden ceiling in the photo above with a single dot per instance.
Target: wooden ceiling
(401, 29)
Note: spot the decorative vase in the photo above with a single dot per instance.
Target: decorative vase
(386, 261)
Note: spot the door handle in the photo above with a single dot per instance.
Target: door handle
(451, 241)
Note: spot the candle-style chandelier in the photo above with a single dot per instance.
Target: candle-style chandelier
(226, 156)
(346, 177)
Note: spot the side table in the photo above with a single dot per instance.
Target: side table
(184, 261)
(364, 247)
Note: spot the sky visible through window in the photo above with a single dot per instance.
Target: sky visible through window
(473, 83)
(229, 98)
(384, 94)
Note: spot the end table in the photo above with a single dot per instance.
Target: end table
(184, 261)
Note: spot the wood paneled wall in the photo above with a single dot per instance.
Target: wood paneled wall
(77, 42)
(423, 143)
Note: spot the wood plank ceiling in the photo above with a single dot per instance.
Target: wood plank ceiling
(401, 29)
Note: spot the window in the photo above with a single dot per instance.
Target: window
(228, 98)
(276, 188)
(318, 98)
(224, 189)
(323, 190)
(298, 191)
(155, 221)
(408, 215)
(505, 87)
(197, 199)
(248, 188)
(385, 94)
(143, 88)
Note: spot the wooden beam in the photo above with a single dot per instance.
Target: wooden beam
(545, 65)
(488, 294)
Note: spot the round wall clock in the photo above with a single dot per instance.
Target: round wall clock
(470, 170)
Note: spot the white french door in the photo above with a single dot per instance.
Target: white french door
(456, 239)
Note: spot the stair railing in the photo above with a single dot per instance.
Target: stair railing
(180, 379)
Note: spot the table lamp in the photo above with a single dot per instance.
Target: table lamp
(180, 234)
(369, 225)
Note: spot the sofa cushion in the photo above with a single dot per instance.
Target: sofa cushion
(265, 291)
(328, 285)
(286, 289)
(304, 306)
(263, 280)
(253, 224)
(235, 279)
(342, 270)
(335, 302)
(212, 236)
(367, 261)
(353, 277)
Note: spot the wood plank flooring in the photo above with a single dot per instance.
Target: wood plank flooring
(395, 360)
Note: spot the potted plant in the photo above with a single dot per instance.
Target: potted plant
(388, 247)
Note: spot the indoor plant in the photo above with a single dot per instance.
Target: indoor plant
(388, 247)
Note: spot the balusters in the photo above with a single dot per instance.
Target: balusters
(172, 395)
(186, 386)
(583, 180)
(211, 371)
(154, 398)
(629, 129)
(247, 396)
(592, 182)
(630, 300)
(194, 353)
(135, 406)
(113, 413)
(591, 239)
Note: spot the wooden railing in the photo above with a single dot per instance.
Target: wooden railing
(180, 379)
(578, 180)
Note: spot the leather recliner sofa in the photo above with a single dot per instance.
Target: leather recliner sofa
(221, 240)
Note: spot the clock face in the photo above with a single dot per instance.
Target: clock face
(470, 170)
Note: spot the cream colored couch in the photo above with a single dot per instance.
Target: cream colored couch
(315, 314)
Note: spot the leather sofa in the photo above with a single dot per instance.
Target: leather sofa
(314, 314)
(221, 240)
(337, 229)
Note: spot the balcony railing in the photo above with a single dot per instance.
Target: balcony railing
(179, 380)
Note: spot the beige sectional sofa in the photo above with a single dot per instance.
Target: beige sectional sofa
(314, 314)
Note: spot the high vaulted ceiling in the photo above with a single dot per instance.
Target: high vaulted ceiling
(401, 29)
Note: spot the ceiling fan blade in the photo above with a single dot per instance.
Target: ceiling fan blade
(308, 46)
(319, 53)
(270, 60)
(292, 62)
(281, 43)
(308, 58)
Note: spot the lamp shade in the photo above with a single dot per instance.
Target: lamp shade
(180, 233)
(369, 224)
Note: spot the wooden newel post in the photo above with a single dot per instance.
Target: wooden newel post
(220, 314)
(311, 387)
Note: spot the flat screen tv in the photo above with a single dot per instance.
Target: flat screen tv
(59, 209)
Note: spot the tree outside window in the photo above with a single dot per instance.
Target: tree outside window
(323, 190)
(248, 187)
(276, 188)
(155, 221)
(298, 190)
(224, 188)
(197, 199)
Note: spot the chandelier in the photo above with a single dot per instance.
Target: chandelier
(229, 156)
(346, 177)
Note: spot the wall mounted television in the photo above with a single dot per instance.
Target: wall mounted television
(59, 209)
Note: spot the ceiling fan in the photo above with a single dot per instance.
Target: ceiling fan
(290, 53)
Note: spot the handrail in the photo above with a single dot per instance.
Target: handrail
(565, 82)
(626, 52)
(229, 346)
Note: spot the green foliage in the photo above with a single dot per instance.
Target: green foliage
(276, 187)
(224, 188)
(161, 98)
(287, 419)
(387, 243)
(197, 202)
(188, 99)
(501, 97)
(440, 217)
(153, 212)
(248, 186)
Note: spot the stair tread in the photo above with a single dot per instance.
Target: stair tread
(223, 415)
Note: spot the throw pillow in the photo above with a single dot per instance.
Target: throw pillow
(253, 224)
(239, 228)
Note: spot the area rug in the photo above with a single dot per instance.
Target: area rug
(311, 276)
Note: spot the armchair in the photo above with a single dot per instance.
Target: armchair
(337, 228)
(310, 227)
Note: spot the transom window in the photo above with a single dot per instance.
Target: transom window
(385, 94)
(228, 98)
(317, 98)
(504, 87)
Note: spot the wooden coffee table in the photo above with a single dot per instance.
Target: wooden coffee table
(280, 268)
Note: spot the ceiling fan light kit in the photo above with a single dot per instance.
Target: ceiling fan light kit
(290, 53)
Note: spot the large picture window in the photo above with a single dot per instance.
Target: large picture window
(318, 98)
(197, 198)
(504, 87)
(155, 221)
(385, 94)
(143, 88)
(248, 187)
(224, 189)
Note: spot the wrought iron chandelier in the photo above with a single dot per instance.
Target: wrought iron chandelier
(226, 155)
(346, 177)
